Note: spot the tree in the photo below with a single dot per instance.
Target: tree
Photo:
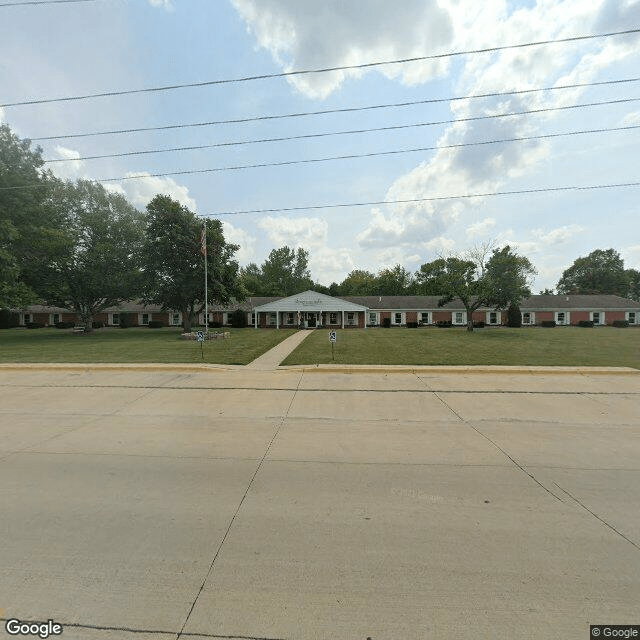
(252, 280)
(507, 276)
(24, 216)
(285, 272)
(396, 281)
(602, 271)
(174, 264)
(514, 316)
(96, 262)
(358, 283)
(633, 283)
(547, 292)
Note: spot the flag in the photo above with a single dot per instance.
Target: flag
(203, 242)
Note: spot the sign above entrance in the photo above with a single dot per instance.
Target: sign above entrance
(307, 303)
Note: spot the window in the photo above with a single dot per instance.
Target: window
(174, 319)
(423, 317)
(251, 318)
(115, 318)
(55, 318)
(397, 318)
(272, 318)
(144, 318)
(492, 317)
(632, 317)
(289, 318)
(373, 319)
(527, 317)
(333, 318)
(562, 317)
(27, 318)
(351, 317)
(458, 317)
(597, 317)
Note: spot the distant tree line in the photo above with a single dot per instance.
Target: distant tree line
(79, 246)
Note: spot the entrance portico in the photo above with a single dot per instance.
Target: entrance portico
(310, 310)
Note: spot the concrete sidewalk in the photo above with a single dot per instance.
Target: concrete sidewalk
(272, 358)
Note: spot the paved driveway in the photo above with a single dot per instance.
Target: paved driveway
(288, 504)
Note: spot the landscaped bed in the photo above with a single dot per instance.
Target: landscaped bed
(535, 346)
(134, 345)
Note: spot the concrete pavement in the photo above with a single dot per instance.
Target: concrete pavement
(302, 504)
(272, 358)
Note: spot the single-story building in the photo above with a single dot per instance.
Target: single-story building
(311, 309)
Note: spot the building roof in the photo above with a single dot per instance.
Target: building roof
(311, 301)
(584, 302)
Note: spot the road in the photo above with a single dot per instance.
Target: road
(156, 504)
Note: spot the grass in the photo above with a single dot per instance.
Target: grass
(535, 346)
(134, 345)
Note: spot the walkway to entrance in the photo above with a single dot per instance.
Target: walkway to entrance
(272, 358)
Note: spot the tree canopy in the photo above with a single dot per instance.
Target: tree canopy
(284, 273)
(174, 264)
(602, 271)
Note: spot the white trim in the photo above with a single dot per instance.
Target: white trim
(112, 322)
(601, 317)
(172, 315)
(353, 321)
(52, 318)
(141, 322)
(532, 318)
(429, 315)
(454, 319)
(403, 318)
(498, 318)
(636, 317)
(567, 318)
(376, 318)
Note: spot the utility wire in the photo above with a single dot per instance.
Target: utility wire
(431, 199)
(286, 74)
(341, 133)
(344, 157)
(327, 111)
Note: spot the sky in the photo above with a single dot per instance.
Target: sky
(52, 51)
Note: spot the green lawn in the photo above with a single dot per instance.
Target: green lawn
(559, 346)
(133, 345)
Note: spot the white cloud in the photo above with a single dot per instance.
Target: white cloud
(306, 34)
(480, 228)
(631, 256)
(559, 235)
(140, 191)
(164, 4)
(1, 115)
(72, 170)
(629, 119)
(247, 242)
(308, 233)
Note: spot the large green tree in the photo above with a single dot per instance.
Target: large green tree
(27, 227)
(602, 271)
(286, 272)
(508, 276)
(174, 264)
(358, 283)
(96, 262)
(394, 281)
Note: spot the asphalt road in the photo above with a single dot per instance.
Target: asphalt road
(302, 505)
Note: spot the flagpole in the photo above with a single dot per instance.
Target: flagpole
(206, 297)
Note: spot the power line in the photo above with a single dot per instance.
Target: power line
(328, 111)
(19, 4)
(286, 74)
(341, 133)
(431, 199)
(343, 157)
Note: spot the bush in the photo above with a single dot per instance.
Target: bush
(479, 325)
(548, 323)
(585, 323)
(514, 316)
(412, 325)
(620, 324)
(96, 324)
(34, 325)
(215, 325)
(386, 323)
(238, 319)
(444, 324)
(65, 325)
(155, 324)
(8, 320)
(125, 320)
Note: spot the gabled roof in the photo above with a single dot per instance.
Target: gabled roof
(584, 302)
(311, 301)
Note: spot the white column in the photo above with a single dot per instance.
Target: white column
(366, 317)
(277, 319)
(343, 319)
(255, 320)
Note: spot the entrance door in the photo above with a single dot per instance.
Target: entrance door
(311, 320)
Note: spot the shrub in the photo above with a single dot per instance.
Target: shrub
(96, 324)
(514, 316)
(479, 325)
(125, 320)
(412, 325)
(8, 320)
(65, 325)
(585, 323)
(444, 324)
(215, 325)
(620, 324)
(548, 323)
(238, 319)
(386, 323)
(155, 324)
(34, 325)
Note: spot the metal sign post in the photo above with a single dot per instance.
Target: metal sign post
(332, 338)
(200, 337)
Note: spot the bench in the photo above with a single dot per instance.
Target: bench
(78, 329)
